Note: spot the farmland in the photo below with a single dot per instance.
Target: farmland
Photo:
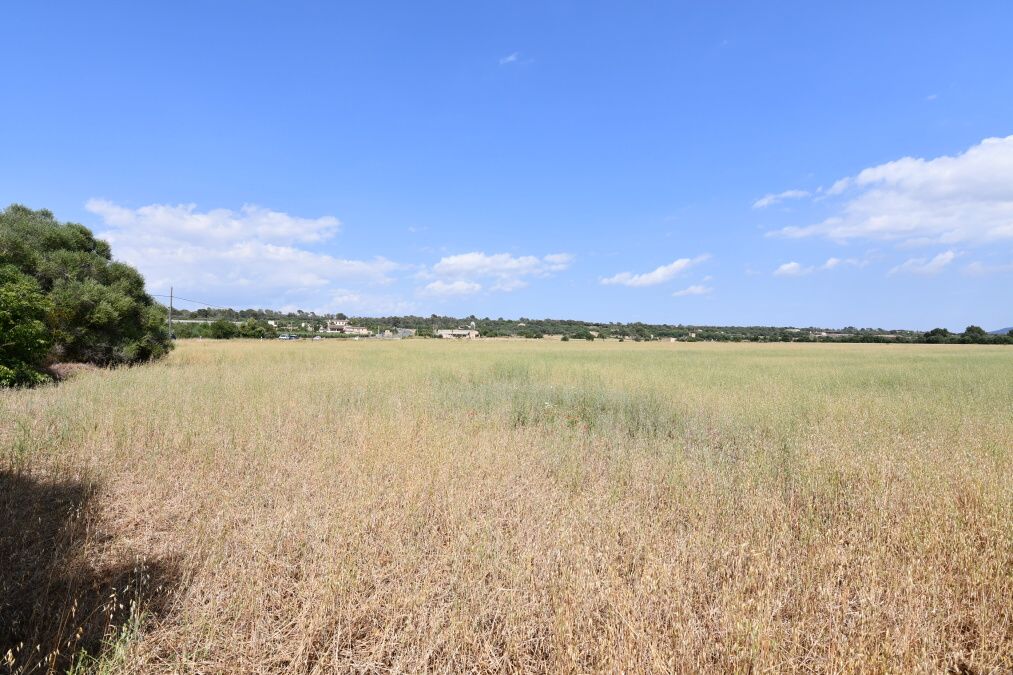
(514, 506)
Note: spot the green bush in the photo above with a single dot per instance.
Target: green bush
(94, 310)
(222, 330)
(251, 328)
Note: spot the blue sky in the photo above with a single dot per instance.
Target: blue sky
(726, 163)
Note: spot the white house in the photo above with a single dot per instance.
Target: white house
(458, 333)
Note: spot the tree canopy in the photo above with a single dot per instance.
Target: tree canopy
(24, 337)
(60, 285)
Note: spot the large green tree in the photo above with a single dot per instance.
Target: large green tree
(97, 310)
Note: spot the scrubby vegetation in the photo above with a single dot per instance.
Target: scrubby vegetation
(522, 506)
(62, 298)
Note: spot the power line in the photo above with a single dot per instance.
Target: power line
(206, 304)
(196, 302)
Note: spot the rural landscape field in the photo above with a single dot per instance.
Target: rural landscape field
(514, 505)
(506, 337)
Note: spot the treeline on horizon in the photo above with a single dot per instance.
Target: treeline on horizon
(63, 299)
(253, 323)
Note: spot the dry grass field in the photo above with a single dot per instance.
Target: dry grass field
(513, 506)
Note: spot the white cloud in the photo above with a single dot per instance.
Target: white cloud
(695, 289)
(796, 269)
(834, 263)
(981, 269)
(500, 264)
(657, 276)
(253, 257)
(344, 297)
(839, 187)
(508, 285)
(349, 301)
(510, 58)
(967, 198)
(251, 222)
(456, 287)
(925, 266)
(771, 199)
(507, 272)
(557, 262)
(792, 269)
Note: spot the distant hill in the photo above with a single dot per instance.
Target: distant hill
(1001, 331)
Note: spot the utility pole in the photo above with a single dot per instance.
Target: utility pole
(170, 311)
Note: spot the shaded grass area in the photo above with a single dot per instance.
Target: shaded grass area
(531, 506)
(59, 606)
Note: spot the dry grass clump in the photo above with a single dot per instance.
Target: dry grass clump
(524, 506)
(65, 371)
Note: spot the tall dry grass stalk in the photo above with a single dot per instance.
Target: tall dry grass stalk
(522, 506)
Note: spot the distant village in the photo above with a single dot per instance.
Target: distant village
(299, 328)
(261, 323)
(344, 327)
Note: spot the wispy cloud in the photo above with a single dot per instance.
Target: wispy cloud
(348, 301)
(925, 266)
(833, 263)
(797, 269)
(792, 269)
(771, 199)
(513, 57)
(656, 276)
(981, 269)
(966, 198)
(455, 287)
(695, 289)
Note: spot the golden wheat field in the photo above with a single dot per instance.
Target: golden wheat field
(513, 506)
